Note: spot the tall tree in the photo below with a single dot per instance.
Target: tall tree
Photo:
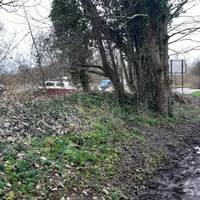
(135, 31)
(73, 39)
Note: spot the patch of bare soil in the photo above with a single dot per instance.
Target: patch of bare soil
(179, 179)
(146, 170)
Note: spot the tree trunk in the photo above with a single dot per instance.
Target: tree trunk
(161, 73)
(84, 80)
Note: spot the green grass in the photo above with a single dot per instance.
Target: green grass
(107, 108)
(196, 94)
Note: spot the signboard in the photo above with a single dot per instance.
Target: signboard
(177, 67)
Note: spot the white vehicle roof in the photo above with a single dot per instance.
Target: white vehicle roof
(58, 84)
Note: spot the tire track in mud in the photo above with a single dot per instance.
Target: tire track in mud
(178, 180)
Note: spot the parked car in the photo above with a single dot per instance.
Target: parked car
(57, 88)
(104, 85)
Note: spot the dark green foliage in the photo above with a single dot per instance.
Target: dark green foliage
(72, 39)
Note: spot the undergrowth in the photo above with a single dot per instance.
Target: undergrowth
(76, 164)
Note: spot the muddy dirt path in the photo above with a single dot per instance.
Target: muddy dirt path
(178, 180)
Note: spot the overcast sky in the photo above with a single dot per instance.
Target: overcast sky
(38, 12)
(192, 41)
(16, 27)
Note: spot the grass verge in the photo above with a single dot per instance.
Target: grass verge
(196, 94)
(84, 164)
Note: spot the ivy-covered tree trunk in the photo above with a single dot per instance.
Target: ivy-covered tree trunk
(159, 57)
(150, 58)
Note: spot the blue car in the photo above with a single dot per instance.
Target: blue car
(104, 84)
